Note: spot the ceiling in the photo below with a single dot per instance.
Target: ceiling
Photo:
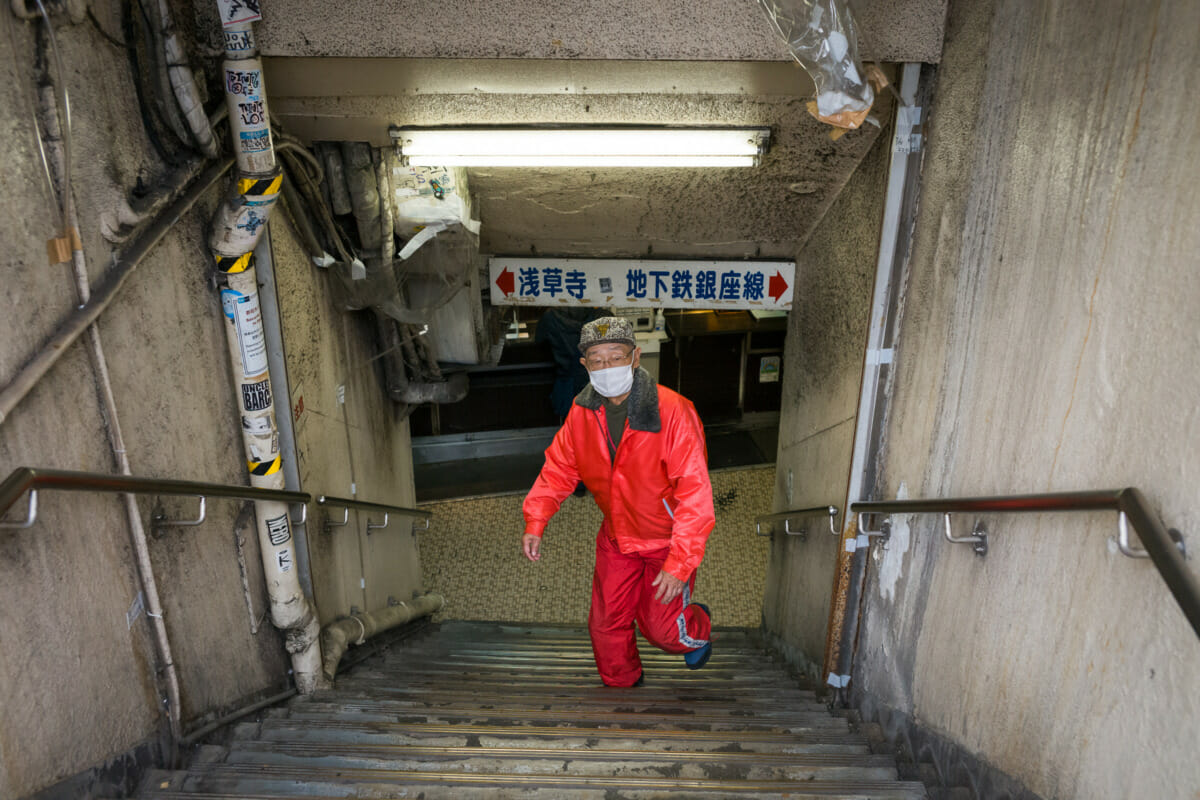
(349, 71)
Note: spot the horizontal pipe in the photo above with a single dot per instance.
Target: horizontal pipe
(1164, 552)
(337, 637)
(24, 479)
(203, 731)
(362, 505)
(106, 290)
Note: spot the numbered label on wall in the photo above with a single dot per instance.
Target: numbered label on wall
(641, 283)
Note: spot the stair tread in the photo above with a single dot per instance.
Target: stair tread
(314, 776)
(471, 710)
(438, 753)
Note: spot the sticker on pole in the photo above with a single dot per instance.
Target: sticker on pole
(753, 285)
(243, 311)
(235, 11)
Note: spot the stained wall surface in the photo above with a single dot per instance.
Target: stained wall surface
(351, 442)
(78, 684)
(822, 373)
(1047, 333)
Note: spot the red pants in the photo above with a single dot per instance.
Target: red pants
(622, 594)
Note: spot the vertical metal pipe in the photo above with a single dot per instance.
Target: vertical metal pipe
(277, 363)
(237, 229)
(851, 568)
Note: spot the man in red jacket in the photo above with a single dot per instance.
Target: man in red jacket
(639, 448)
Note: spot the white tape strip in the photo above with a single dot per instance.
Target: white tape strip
(838, 681)
(423, 236)
(851, 545)
(879, 356)
(863, 540)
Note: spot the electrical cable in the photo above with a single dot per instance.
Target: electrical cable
(66, 202)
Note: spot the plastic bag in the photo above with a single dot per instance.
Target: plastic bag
(820, 35)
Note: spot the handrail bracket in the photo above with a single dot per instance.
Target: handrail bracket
(1132, 551)
(978, 536)
(31, 512)
(160, 520)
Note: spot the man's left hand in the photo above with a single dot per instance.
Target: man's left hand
(669, 587)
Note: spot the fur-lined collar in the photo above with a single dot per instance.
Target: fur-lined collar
(643, 402)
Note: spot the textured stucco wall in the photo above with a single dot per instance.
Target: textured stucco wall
(695, 30)
(77, 686)
(821, 376)
(1048, 333)
(472, 555)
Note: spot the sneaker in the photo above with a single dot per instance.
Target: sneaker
(697, 658)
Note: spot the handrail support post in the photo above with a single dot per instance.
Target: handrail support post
(31, 512)
(978, 536)
(160, 519)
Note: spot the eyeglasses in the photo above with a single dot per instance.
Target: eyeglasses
(612, 361)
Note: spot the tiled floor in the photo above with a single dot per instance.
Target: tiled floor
(471, 555)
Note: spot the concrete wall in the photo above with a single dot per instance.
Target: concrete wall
(1047, 342)
(822, 372)
(356, 447)
(690, 30)
(77, 685)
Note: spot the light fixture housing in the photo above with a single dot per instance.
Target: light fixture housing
(614, 146)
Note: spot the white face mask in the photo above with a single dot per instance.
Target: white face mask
(612, 382)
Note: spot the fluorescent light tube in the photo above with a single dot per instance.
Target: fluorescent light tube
(581, 147)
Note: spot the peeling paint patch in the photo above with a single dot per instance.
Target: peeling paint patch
(891, 566)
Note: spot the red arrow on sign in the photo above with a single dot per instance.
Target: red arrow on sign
(504, 281)
(777, 288)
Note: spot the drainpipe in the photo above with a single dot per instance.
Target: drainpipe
(895, 234)
(237, 227)
(338, 636)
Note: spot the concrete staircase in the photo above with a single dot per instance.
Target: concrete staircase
(473, 710)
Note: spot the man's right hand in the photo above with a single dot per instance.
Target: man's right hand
(532, 545)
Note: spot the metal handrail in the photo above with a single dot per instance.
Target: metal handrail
(29, 479)
(787, 516)
(1162, 546)
(363, 505)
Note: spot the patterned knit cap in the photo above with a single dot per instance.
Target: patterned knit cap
(606, 330)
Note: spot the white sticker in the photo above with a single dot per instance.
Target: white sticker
(864, 540)
(251, 340)
(235, 11)
(341, 394)
(851, 545)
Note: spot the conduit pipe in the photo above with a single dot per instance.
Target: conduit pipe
(105, 291)
(236, 229)
(337, 637)
(183, 84)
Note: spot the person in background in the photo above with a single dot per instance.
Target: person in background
(639, 448)
(559, 328)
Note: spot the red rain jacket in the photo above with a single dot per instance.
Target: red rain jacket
(655, 494)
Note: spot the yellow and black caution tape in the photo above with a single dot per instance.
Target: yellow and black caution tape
(231, 265)
(265, 467)
(260, 186)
